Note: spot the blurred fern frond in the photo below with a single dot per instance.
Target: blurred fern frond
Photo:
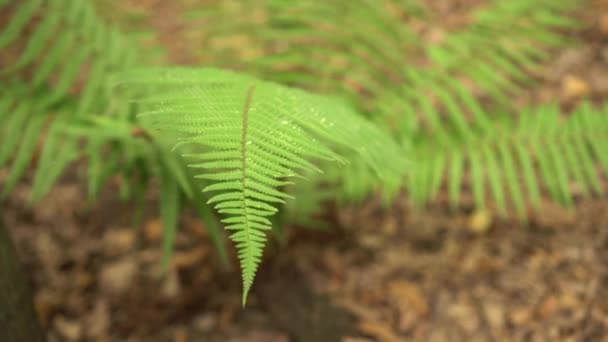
(57, 90)
(380, 57)
(61, 49)
(518, 159)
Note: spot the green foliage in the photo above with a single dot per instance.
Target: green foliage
(535, 151)
(41, 81)
(426, 81)
(71, 104)
(249, 139)
(439, 93)
(368, 50)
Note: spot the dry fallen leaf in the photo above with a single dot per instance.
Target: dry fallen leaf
(46, 304)
(408, 297)
(355, 339)
(71, 330)
(118, 276)
(98, 321)
(153, 230)
(171, 285)
(480, 221)
(187, 259)
(382, 332)
(603, 24)
(205, 322)
(520, 316)
(548, 307)
(84, 280)
(569, 300)
(180, 335)
(574, 87)
(118, 241)
(463, 313)
(495, 315)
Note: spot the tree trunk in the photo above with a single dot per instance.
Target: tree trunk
(18, 320)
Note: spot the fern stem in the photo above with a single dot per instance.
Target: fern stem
(244, 129)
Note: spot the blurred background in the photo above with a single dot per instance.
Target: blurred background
(445, 260)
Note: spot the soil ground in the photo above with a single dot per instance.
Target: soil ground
(395, 274)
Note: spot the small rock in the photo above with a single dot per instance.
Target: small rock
(69, 329)
(118, 276)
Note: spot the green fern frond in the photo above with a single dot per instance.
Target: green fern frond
(251, 138)
(55, 29)
(516, 159)
(21, 122)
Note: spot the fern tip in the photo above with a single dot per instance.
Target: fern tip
(244, 299)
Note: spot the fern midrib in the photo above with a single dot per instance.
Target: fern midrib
(244, 131)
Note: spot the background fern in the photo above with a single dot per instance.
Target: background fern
(47, 78)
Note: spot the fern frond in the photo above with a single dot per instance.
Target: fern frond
(518, 158)
(360, 50)
(21, 122)
(251, 138)
(57, 28)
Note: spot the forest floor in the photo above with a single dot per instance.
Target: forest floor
(395, 274)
